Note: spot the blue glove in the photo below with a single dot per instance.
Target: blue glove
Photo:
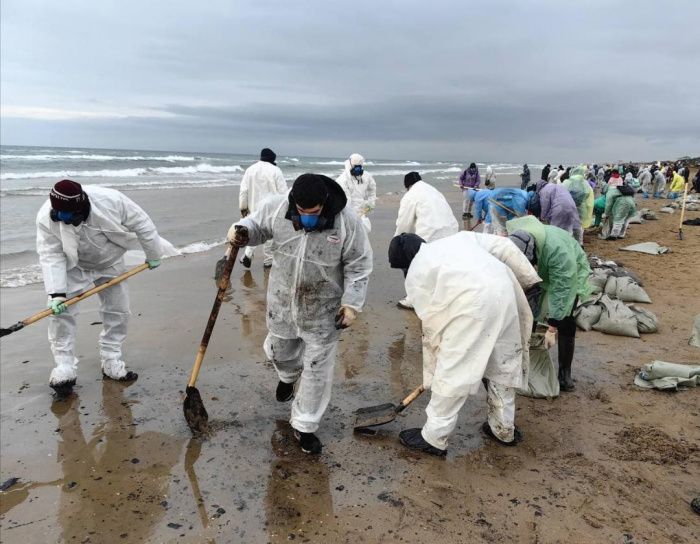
(153, 263)
(57, 306)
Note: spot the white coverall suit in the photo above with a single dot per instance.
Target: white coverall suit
(260, 180)
(467, 290)
(74, 258)
(360, 191)
(313, 274)
(425, 212)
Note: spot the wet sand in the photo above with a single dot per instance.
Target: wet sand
(607, 463)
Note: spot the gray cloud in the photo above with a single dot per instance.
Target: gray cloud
(492, 80)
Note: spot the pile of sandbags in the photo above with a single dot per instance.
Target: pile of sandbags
(613, 286)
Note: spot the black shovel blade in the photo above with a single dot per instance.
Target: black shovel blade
(14, 328)
(195, 413)
(375, 415)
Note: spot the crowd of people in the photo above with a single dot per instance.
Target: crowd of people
(316, 241)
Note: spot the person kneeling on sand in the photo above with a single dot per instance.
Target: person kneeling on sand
(563, 267)
(620, 207)
(321, 262)
(82, 235)
(467, 290)
(423, 211)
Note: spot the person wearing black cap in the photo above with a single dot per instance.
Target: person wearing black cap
(260, 180)
(423, 211)
(467, 290)
(321, 262)
(82, 235)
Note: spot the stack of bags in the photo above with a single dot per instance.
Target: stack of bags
(613, 286)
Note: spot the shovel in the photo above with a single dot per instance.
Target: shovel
(193, 407)
(373, 416)
(82, 296)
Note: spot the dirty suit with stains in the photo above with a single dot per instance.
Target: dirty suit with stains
(74, 258)
(313, 273)
(467, 289)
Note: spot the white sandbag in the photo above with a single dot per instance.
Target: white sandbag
(666, 209)
(636, 219)
(626, 290)
(695, 336)
(616, 318)
(598, 279)
(542, 379)
(587, 315)
(647, 322)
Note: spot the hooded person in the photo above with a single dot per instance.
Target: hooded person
(559, 210)
(423, 211)
(659, 183)
(645, 180)
(677, 186)
(503, 205)
(563, 267)
(545, 172)
(82, 235)
(472, 330)
(620, 207)
(490, 178)
(359, 187)
(321, 262)
(525, 177)
(469, 181)
(260, 180)
(582, 194)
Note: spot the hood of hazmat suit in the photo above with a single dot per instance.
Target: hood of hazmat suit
(361, 191)
(562, 265)
(116, 219)
(582, 194)
(467, 290)
(313, 272)
(260, 180)
(424, 211)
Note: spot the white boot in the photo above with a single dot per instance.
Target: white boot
(405, 304)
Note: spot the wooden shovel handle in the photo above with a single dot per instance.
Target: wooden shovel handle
(413, 395)
(685, 196)
(506, 208)
(89, 293)
(224, 282)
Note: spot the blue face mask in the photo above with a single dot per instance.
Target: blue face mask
(356, 170)
(309, 221)
(66, 217)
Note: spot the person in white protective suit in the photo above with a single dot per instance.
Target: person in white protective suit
(359, 187)
(423, 211)
(321, 264)
(467, 290)
(260, 180)
(490, 178)
(82, 235)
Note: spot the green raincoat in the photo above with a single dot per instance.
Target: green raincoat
(562, 265)
(619, 208)
(582, 193)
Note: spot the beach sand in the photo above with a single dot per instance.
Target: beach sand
(607, 463)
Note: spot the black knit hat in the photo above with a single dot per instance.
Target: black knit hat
(268, 155)
(309, 190)
(411, 178)
(68, 196)
(403, 248)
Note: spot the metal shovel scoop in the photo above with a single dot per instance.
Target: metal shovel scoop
(384, 413)
(193, 407)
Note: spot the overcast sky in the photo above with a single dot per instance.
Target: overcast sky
(487, 80)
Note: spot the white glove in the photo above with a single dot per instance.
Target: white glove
(345, 317)
(550, 338)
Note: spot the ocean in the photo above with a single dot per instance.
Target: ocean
(191, 197)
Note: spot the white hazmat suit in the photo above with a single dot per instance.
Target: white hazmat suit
(361, 191)
(74, 258)
(313, 274)
(260, 180)
(424, 211)
(467, 289)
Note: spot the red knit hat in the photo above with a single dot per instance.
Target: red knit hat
(67, 196)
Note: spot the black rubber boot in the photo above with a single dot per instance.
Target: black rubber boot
(127, 378)
(413, 439)
(309, 442)
(566, 345)
(63, 390)
(246, 261)
(517, 435)
(285, 391)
